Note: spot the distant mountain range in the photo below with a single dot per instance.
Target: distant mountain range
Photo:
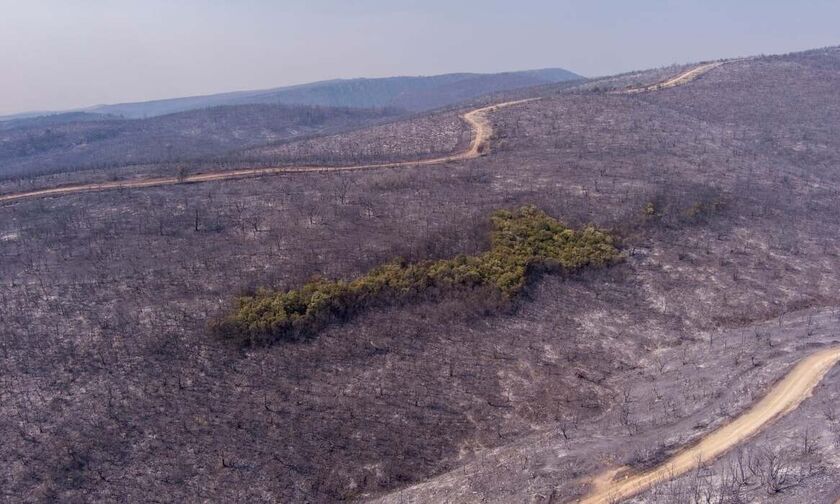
(412, 94)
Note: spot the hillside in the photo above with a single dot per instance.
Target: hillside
(83, 141)
(409, 93)
(201, 129)
(720, 193)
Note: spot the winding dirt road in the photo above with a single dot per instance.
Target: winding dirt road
(678, 80)
(477, 119)
(617, 484)
(784, 397)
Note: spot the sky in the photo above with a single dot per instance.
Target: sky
(64, 54)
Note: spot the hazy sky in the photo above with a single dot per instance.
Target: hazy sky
(59, 54)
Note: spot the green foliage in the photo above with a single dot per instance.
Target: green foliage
(522, 240)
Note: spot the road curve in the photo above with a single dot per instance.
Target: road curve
(783, 398)
(678, 80)
(476, 119)
(482, 130)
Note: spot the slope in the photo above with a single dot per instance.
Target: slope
(410, 93)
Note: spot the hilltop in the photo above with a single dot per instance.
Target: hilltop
(409, 93)
(205, 128)
(720, 194)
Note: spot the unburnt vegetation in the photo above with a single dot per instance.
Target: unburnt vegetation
(723, 193)
(521, 241)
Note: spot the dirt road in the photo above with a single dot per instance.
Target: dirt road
(477, 119)
(783, 398)
(678, 80)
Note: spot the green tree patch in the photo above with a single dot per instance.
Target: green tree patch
(522, 241)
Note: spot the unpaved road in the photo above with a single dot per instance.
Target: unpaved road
(784, 397)
(477, 119)
(678, 80)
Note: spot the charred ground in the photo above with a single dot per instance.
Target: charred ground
(723, 193)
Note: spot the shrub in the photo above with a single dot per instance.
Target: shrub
(522, 241)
